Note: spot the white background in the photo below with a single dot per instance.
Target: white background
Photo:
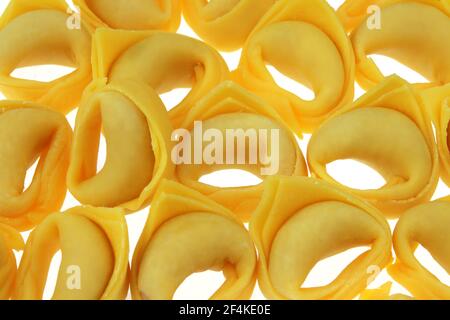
(351, 173)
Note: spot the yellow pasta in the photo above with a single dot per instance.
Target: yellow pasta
(414, 33)
(9, 239)
(301, 221)
(383, 293)
(137, 132)
(29, 132)
(428, 225)
(386, 129)
(187, 233)
(230, 107)
(40, 32)
(132, 14)
(164, 61)
(225, 24)
(304, 40)
(94, 248)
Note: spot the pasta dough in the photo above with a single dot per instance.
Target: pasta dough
(29, 132)
(34, 33)
(132, 14)
(94, 248)
(301, 221)
(137, 132)
(305, 41)
(9, 239)
(414, 33)
(187, 233)
(230, 107)
(383, 293)
(428, 225)
(225, 24)
(185, 62)
(388, 130)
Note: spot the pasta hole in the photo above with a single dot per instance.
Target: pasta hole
(102, 153)
(389, 66)
(173, 98)
(230, 178)
(427, 260)
(335, 3)
(289, 84)
(52, 277)
(30, 174)
(200, 286)
(42, 73)
(327, 270)
(355, 174)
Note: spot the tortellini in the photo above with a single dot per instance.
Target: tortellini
(10, 240)
(137, 133)
(383, 293)
(185, 62)
(305, 41)
(225, 24)
(132, 14)
(301, 221)
(30, 132)
(94, 249)
(428, 225)
(388, 130)
(415, 33)
(231, 109)
(38, 32)
(188, 233)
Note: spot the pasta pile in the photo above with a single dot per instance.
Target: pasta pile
(127, 53)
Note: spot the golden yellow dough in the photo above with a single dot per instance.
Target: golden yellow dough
(301, 221)
(427, 225)
(94, 249)
(36, 33)
(187, 233)
(164, 61)
(225, 24)
(415, 33)
(383, 293)
(132, 14)
(388, 130)
(29, 132)
(137, 131)
(437, 103)
(304, 40)
(9, 239)
(229, 106)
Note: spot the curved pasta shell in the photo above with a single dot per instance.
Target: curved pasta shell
(301, 221)
(426, 224)
(302, 28)
(29, 132)
(383, 293)
(137, 132)
(94, 248)
(186, 233)
(225, 24)
(230, 107)
(37, 32)
(186, 62)
(9, 239)
(388, 130)
(132, 15)
(414, 33)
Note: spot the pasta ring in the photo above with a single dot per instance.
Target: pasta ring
(383, 293)
(37, 32)
(43, 134)
(137, 132)
(137, 56)
(292, 233)
(437, 101)
(94, 247)
(426, 224)
(388, 130)
(9, 239)
(227, 107)
(186, 233)
(302, 28)
(225, 24)
(132, 15)
(414, 33)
